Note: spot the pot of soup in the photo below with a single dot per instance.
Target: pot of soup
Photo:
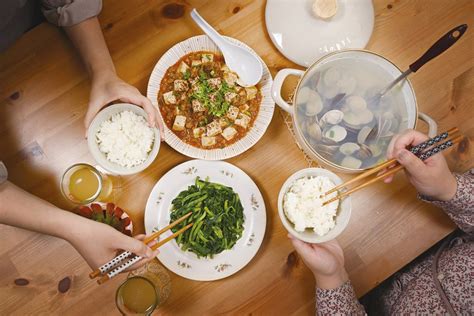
(336, 117)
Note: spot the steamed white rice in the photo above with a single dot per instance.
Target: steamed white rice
(125, 139)
(303, 206)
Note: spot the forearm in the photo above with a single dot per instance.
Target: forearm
(331, 281)
(21, 209)
(88, 39)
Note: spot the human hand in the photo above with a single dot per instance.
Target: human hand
(325, 260)
(98, 243)
(107, 87)
(431, 177)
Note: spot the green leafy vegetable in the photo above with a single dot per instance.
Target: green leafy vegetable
(218, 218)
(212, 98)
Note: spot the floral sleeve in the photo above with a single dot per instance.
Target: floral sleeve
(461, 207)
(338, 301)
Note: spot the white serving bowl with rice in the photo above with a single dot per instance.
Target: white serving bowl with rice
(300, 206)
(121, 141)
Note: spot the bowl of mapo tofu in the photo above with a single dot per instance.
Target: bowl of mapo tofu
(207, 114)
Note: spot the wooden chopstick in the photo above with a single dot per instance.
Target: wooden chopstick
(363, 185)
(425, 155)
(118, 259)
(415, 150)
(164, 241)
(363, 175)
(135, 259)
(161, 231)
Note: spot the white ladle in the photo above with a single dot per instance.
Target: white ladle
(247, 66)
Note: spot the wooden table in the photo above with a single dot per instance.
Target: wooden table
(44, 93)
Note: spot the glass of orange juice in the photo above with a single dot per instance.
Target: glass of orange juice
(145, 289)
(137, 296)
(82, 184)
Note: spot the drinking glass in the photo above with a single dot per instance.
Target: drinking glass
(144, 290)
(83, 184)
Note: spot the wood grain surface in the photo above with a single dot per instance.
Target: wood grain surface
(44, 93)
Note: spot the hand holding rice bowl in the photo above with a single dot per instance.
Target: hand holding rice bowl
(300, 206)
(121, 141)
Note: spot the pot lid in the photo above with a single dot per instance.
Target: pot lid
(337, 115)
(304, 30)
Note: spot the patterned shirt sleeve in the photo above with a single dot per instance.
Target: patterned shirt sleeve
(70, 12)
(338, 301)
(461, 207)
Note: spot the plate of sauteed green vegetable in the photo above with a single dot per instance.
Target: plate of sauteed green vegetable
(228, 216)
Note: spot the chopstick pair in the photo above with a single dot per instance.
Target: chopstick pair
(418, 150)
(118, 264)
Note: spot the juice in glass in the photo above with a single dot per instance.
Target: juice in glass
(83, 184)
(136, 296)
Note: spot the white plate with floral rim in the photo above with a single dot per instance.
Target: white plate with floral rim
(204, 43)
(228, 262)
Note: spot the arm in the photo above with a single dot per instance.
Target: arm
(435, 182)
(79, 19)
(334, 292)
(96, 242)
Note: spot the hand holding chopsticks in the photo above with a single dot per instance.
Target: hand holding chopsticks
(423, 151)
(119, 263)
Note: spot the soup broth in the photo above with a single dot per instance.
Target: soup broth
(341, 119)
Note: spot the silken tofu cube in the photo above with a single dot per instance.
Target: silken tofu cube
(232, 113)
(169, 97)
(229, 133)
(230, 78)
(251, 92)
(195, 85)
(198, 132)
(244, 107)
(213, 128)
(229, 96)
(242, 120)
(180, 85)
(179, 122)
(183, 67)
(197, 106)
(195, 63)
(214, 82)
(207, 58)
(207, 141)
(223, 122)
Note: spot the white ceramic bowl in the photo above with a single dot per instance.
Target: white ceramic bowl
(100, 158)
(264, 117)
(343, 212)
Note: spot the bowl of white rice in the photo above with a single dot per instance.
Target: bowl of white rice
(301, 210)
(121, 141)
